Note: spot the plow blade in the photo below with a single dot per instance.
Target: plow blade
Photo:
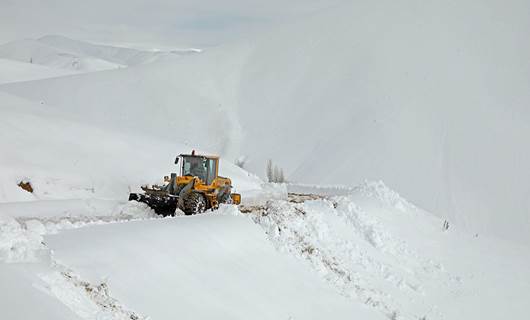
(164, 205)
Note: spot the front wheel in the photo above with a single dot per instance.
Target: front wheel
(194, 203)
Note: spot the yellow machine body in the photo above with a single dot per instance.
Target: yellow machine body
(196, 188)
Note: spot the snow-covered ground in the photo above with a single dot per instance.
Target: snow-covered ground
(399, 93)
(369, 254)
(218, 265)
(13, 71)
(204, 267)
(377, 248)
(69, 159)
(65, 53)
(429, 97)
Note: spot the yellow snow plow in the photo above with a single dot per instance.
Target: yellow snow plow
(197, 188)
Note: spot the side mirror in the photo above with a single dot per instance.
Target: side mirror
(176, 160)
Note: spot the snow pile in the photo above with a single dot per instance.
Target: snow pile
(324, 190)
(351, 251)
(268, 191)
(388, 197)
(379, 249)
(18, 244)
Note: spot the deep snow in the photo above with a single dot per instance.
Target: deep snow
(204, 267)
(429, 98)
(65, 53)
(378, 248)
(368, 254)
(67, 158)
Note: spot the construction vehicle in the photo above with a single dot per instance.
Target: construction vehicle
(197, 188)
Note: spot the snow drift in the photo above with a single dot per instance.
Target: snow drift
(375, 247)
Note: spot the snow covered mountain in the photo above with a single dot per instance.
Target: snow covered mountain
(65, 53)
(411, 94)
(431, 98)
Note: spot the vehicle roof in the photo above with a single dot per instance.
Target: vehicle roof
(199, 156)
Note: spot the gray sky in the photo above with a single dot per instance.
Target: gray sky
(171, 22)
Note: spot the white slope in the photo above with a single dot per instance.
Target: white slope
(427, 97)
(66, 158)
(172, 99)
(65, 53)
(119, 55)
(377, 248)
(39, 52)
(15, 71)
(370, 247)
(203, 267)
(20, 285)
(30, 277)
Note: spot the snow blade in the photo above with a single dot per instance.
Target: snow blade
(164, 205)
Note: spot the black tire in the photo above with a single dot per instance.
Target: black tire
(194, 203)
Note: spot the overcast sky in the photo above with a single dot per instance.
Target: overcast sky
(172, 22)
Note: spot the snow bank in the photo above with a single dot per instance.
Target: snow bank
(323, 190)
(18, 244)
(203, 267)
(377, 248)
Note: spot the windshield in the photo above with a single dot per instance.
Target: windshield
(200, 167)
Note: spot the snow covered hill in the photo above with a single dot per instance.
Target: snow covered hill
(65, 53)
(428, 97)
(409, 93)
(431, 98)
(66, 158)
(369, 254)
(13, 71)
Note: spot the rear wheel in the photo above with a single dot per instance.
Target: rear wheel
(194, 203)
